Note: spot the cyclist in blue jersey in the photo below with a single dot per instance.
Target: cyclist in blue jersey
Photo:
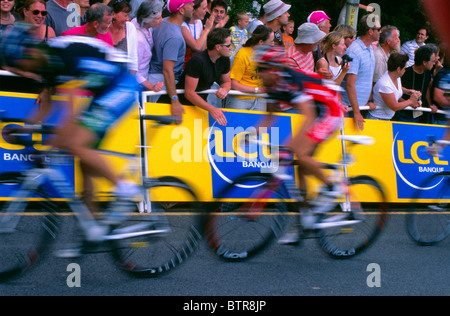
(78, 62)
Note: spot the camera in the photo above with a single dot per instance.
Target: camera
(346, 59)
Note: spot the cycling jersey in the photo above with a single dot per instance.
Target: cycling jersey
(298, 86)
(103, 71)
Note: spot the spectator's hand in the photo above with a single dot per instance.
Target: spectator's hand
(209, 23)
(218, 115)
(325, 73)
(371, 105)
(158, 86)
(345, 108)
(221, 93)
(346, 67)
(177, 110)
(359, 121)
(433, 108)
(223, 22)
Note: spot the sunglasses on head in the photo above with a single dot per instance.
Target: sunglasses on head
(36, 12)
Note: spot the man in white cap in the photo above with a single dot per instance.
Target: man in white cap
(276, 16)
(300, 56)
(169, 50)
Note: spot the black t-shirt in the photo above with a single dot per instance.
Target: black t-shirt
(418, 82)
(200, 66)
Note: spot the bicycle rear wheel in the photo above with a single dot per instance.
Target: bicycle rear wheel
(363, 224)
(429, 223)
(174, 228)
(238, 229)
(28, 224)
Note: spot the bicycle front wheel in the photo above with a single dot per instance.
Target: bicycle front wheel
(173, 229)
(239, 228)
(429, 223)
(28, 224)
(352, 228)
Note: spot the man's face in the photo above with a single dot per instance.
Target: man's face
(421, 36)
(188, 10)
(103, 26)
(429, 65)
(284, 18)
(219, 14)
(394, 42)
(225, 48)
(325, 26)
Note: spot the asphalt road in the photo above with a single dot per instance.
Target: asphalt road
(402, 267)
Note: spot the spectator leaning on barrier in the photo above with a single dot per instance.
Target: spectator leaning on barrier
(34, 12)
(387, 92)
(205, 68)
(169, 51)
(411, 46)
(276, 16)
(123, 32)
(300, 56)
(417, 78)
(59, 18)
(389, 42)
(333, 46)
(244, 75)
(148, 16)
(359, 78)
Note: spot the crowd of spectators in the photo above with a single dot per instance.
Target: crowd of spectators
(185, 44)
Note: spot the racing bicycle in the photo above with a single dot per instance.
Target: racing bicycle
(239, 227)
(428, 219)
(40, 198)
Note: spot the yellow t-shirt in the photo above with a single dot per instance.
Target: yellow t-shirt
(244, 70)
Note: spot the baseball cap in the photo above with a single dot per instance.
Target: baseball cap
(176, 5)
(317, 16)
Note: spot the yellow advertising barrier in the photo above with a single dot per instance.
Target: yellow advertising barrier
(205, 155)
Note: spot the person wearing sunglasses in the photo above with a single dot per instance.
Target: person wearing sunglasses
(205, 68)
(34, 13)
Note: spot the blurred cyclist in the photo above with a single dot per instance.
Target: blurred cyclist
(78, 62)
(310, 95)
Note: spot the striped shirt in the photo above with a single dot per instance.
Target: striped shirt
(298, 60)
(363, 66)
(409, 48)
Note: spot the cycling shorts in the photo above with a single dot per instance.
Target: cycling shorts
(330, 112)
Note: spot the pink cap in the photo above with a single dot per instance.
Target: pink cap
(317, 16)
(176, 5)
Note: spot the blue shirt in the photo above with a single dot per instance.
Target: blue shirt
(168, 44)
(363, 65)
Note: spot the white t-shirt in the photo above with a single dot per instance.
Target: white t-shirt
(385, 85)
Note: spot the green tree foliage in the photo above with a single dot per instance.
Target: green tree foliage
(406, 15)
